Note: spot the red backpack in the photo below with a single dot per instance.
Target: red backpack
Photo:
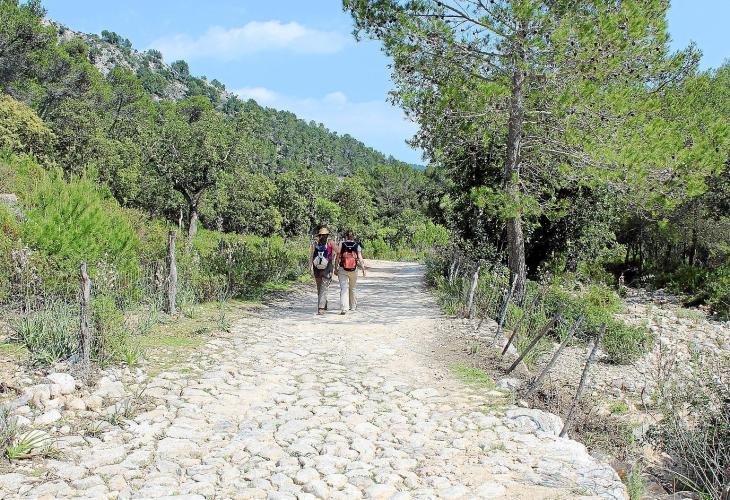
(348, 255)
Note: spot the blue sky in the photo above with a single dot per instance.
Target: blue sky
(300, 55)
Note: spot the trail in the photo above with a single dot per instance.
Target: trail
(299, 406)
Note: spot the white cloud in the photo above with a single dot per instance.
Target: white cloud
(256, 36)
(376, 123)
(262, 95)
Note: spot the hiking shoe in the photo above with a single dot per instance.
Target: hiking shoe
(342, 313)
(320, 312)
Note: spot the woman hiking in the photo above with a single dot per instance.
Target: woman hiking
(321, 262)
(349, 256)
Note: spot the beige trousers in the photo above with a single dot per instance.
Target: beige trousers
(348, 280)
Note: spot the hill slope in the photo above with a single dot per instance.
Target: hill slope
(297, 142)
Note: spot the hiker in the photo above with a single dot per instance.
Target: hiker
(348, 258)
(321, 263)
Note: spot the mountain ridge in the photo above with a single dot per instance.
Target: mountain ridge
(296, 140)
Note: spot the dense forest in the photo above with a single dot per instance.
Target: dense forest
(568, 138)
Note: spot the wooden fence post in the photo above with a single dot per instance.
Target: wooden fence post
(472, 290)
(85, 332)
(171, 307)
(503, 314)
(538, 381)
(526, 313)
(551, 324)
(583, 380)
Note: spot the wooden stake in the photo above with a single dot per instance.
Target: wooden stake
(85, 332)
(472, 290)
(525, 314)
(538, 381)
(583, 380)
(534, 342)
(171, 307)
(504, 308)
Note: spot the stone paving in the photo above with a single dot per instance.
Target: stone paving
(295, 406)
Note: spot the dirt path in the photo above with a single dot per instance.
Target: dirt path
(299, 406)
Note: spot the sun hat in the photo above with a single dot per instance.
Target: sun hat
(323, 231)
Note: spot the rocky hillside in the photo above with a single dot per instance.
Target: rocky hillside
(296, 141)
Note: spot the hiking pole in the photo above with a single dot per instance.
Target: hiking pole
(534, 342)
(583, 380)
(538, 381)
(504, 308)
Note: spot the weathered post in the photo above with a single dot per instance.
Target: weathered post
(583, 380)
(538, 381)
(171, 274)
(526, 313)
(472, 290)
(85, 332)
(503, 314)
(534, 342)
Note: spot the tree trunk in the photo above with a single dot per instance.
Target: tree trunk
(515, 235)
(693, 248)
(192, 223)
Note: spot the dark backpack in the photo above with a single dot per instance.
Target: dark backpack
(348, 258)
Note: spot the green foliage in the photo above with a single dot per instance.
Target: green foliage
(242, 266)
(22, 131)
(635, 483)
(50, 334)
(718, 290)
(695, 425)
(110, 333)
(181, 68)
(73, 221)
(9, 241)
(115, 39)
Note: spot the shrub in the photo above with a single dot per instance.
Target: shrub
(71, 222)
(50, 334)
(695, 428)
(110, 334)
(718, 290)
(240, 266)
(624, 344)
(22, 131)
(18, 173)
(8, 242)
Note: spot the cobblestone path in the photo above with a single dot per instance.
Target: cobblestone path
(299, 406)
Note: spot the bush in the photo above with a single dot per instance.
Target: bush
(110, 334)
(50, 334)
(71, 222)
(22, 131)
(241, 266)
(717, 289)
(598, 304)
(623, 344)
(695, 428)
(9, 233)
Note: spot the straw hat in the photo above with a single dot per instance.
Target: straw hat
(323, 231)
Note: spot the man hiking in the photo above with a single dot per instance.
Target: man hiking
(321, 263)
(349, 256)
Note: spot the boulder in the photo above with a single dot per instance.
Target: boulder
(64, 381)
(107, 388)
(48, 417)
(537, 419)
